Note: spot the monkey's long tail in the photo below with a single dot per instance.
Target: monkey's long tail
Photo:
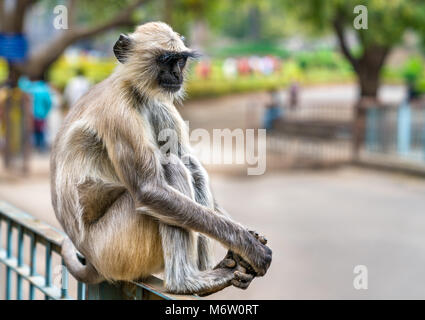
(84, 273)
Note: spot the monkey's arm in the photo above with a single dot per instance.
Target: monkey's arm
(172, 207)
(139, 168)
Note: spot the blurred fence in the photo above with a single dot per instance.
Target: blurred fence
(324, 134)
(314, 134)
(396, 132)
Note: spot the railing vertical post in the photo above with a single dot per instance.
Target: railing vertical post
(9, 255)
(371, 129)
(423, 137)
(64, 284)
(81, 291)
(403, 129)
(48, 268)
(105, 291)
(33, 264)
(20, 262)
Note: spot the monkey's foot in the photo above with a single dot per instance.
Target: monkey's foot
(202, 283)
(219, 279)
(242, 279)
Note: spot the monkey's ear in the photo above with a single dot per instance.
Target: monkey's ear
(121, 47)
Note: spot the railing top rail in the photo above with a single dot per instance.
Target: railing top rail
(38, 227)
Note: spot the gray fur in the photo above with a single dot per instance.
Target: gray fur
(130, 209)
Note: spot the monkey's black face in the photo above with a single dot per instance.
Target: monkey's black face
(171, 66)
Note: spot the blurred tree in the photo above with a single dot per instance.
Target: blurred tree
(387, 23)
(251, 20)
(168, 11)
(98, 16)
(189, 17)
(255, 21)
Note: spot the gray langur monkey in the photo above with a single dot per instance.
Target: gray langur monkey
(123, 203)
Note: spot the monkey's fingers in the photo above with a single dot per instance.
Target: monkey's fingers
(242, 264)
(244, 277)
(226, 263)
(242, 280)
(247, 267)
(262, 239)
(254, 233)
(239, 284)
(229, 263)
(229, 255)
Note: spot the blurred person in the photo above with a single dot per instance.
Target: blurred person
(42, 102)
(230, 68)
(277, 64)
(243, 66)
(76, 87)
(267, 65)
(293, 95)
(255, 64)
(413, 94)
(55, 117)
(203, 69)
(15, 122)
(274, 110)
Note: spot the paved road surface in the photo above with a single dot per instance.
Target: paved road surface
(320, 224)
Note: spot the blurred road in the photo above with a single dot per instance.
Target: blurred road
(320, 224)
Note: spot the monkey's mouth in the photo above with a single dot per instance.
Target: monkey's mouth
(171, 87)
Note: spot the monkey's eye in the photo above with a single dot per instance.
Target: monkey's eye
(182, 62)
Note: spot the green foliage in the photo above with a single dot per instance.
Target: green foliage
(325, 59)
(413, 72)
(94, 69)
(387, 20)
(413, 68)
(237, 19)
(94, 11)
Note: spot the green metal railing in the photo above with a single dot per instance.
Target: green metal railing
(24, 266)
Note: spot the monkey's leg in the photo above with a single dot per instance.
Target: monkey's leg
(181, 273)
(203, 195)
(243, 271)
(188, 179)
(186, 255)
(205, 254)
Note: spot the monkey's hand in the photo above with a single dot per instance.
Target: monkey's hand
(257, 257)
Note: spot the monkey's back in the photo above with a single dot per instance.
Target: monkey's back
(89, 200)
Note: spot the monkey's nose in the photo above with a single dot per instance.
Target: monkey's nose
(177, 76)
